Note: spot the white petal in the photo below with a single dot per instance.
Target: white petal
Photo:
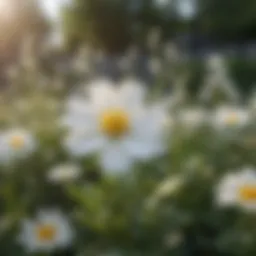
(144, 150)
(114, 159)
(27, 236)
(248, 175)
(80, 146)
(49, 216)
(226, 193)
(227, 198)
(132, 93)
(77, 105)
(148, 125)
(102, 93)
(80, 118)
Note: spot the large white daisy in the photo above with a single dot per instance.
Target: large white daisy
(238, 189)
(49, 231)
(16, 144)
(116, 123)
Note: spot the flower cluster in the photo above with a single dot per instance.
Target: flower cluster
(105, 168)
(117, 131)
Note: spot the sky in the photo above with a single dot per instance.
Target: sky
(52, 7)
(186, 7)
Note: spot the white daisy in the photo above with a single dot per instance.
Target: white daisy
(238, 189)
(231, 117)
(16, 144)
(64, 173)
(51, 230)
(117, 124)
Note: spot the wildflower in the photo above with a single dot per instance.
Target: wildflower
(238, 189)
(231, 117)
(16, 144)
(51, 230)
(117, 124)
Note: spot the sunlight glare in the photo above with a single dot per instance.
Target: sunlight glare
(6, 9)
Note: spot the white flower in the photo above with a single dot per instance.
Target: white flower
(238, 189)
(216, 62)
(51, 230)
(231, 117)
(64, 173)
(116, 124)
(16, 144)
(192, 118)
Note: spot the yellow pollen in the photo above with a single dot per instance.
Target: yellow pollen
(17, 142)
(248, 193)
(46, 233)
(232, 119)
(114, 122)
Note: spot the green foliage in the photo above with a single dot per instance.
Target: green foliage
(112, 24)
(241, 71)
(160, 208)
(214, 18)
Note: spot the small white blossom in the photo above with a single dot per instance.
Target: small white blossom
(49, 231)
(64, 173)
(238, 189)
(230, 117)
(16, 144)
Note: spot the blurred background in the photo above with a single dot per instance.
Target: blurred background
(202, 51)
(55, 30)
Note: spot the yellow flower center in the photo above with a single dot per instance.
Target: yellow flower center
(114, 122)
(248, 193)
(46, 233)
(232, 119)
(17, 142)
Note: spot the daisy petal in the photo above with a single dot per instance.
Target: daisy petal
(132, 93)
(80, 146)
(149, 124)
(115, 160)
(144, 149)
(102, 93)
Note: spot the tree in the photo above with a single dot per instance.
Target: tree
(113, 24)
(231, 19)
